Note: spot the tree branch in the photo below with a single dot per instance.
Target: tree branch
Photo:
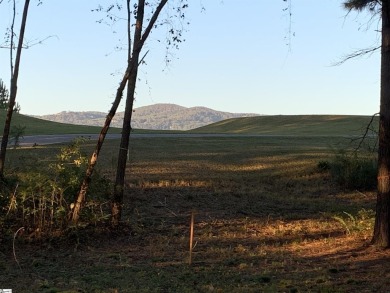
(368, 128)
(142, 59)
(152, 21)
(28, 45)
(128, 30)
(11, 46)
(357, 54)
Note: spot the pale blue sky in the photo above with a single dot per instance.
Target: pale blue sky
(235, 59)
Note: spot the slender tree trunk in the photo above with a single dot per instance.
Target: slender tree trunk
(381, 235)
(13, 90)
(131, 76)
(139, 40)
(80, 198)
(117, 200)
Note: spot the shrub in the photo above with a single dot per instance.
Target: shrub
(39, 198)
(351, 171)
(323, 165)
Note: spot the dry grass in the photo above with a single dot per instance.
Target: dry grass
(265, 221)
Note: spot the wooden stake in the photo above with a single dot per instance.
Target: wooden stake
(191, 236)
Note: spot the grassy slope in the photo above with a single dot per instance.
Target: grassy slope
(35, 126)
(306, 125)
(328, 125)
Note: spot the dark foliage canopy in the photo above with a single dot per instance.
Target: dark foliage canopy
(371, 5)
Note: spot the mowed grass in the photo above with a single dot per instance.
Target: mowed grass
(265, 221)
(298, 125)
(309, 125)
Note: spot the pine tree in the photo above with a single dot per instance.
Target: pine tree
(381, 235)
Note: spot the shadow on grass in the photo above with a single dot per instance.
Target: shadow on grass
(159, 263)
(263, 223)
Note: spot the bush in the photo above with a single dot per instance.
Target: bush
(39, 198)
(351, 171)
(323, 165)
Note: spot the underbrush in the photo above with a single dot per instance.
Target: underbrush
(351, 170)
(39, 195)
(362, 221)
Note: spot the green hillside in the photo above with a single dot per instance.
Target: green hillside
(305, 125)
(35, 126)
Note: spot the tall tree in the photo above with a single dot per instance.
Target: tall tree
(135, 46)
(381, 235)
(14, 82)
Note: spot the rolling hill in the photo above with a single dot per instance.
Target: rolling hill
(157, 117)
(299, 125)
(36, 126)
(305, 125)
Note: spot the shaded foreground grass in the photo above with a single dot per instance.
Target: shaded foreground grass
(264, 222)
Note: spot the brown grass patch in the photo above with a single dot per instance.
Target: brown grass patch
(265, 221)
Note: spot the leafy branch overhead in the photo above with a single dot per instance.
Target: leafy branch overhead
(174, 22)
(11, 35)
(145, 16)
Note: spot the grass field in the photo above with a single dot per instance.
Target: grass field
(35, 126)
(266, 220)
(301, 125)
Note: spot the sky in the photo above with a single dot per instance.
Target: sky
(242, 56)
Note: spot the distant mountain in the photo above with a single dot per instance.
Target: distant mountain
(158, 116)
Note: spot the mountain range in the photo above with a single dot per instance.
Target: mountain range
(158, 117)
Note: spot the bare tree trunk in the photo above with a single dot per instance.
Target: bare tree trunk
(139, 40)
(117, 200)
(80, 198)
(131, 77)
(14, 88)
(381, 235)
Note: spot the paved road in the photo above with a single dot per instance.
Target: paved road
(52, 139)
(30, 140)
